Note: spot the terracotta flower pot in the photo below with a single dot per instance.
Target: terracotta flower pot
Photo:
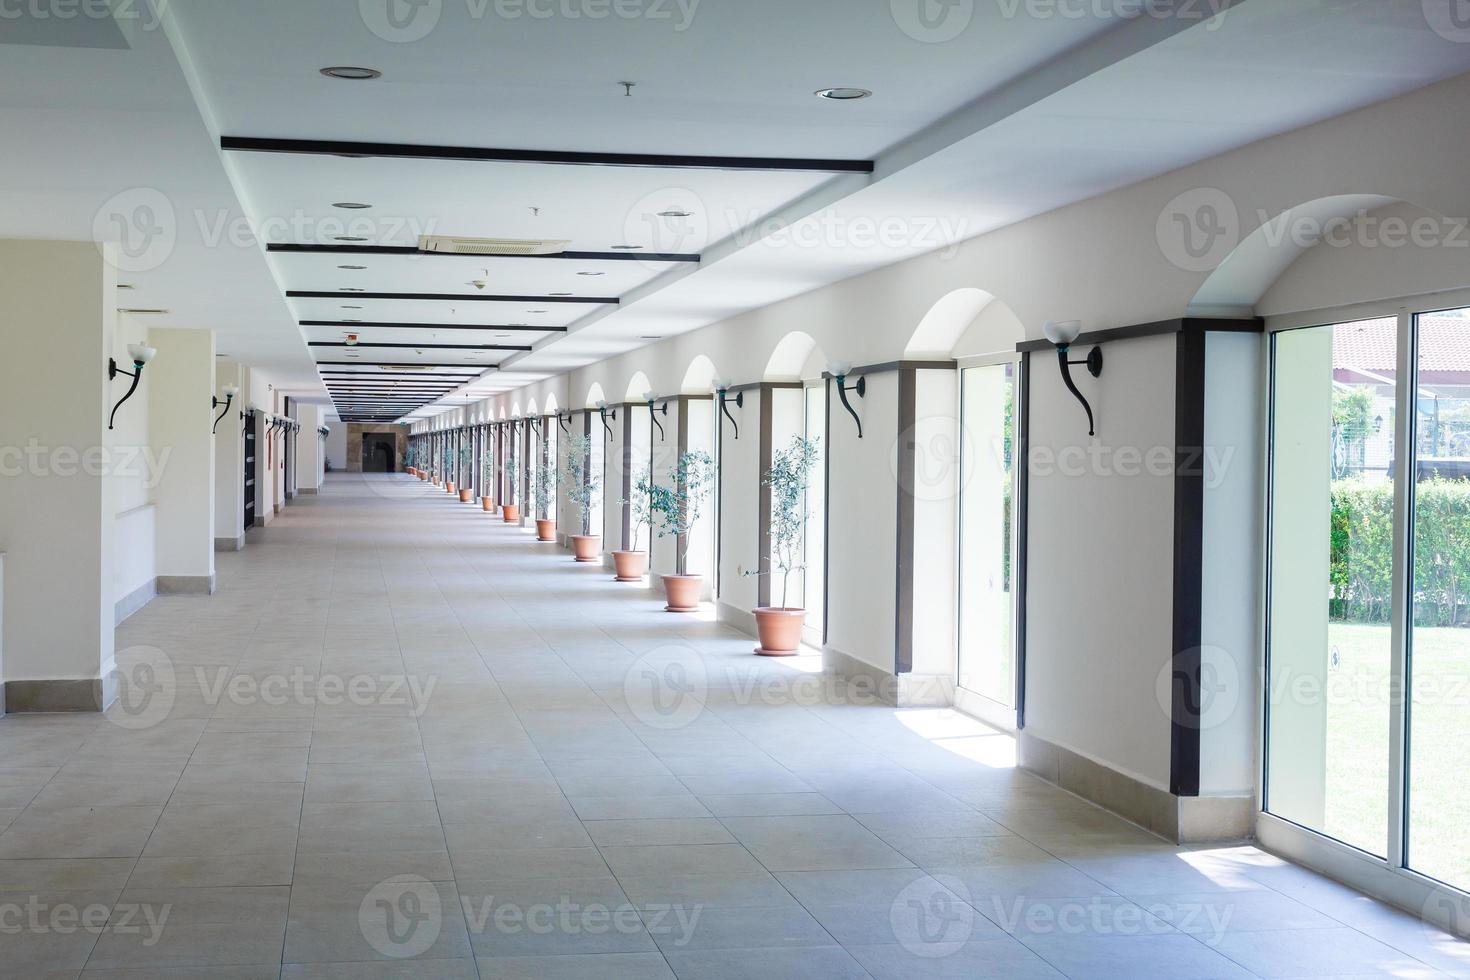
(630, 565)
(449, 486)
(545, 530)
(779, 631)
(510, 513)
(411, 471)
(683, 592)
(466, 495)
(488, 504)
(422, 475)
(586, 546)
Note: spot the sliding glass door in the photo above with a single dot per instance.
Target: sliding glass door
(1368, 607)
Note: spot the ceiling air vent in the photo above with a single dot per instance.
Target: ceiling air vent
(490, 246)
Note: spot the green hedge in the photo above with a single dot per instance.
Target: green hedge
(1362, 548)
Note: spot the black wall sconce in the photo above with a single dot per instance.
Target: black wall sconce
(654, 413)
(607, 413)
(1064, 335)
(724, 395)
(141, 355)
(562, 421)
(839, 374)
(230, 392)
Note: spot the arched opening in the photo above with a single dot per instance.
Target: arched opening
(699, 379)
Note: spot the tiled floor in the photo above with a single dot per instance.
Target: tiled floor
(405, 740)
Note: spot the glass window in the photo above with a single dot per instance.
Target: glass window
(1331, 572)
(814, 546)
(987, 655)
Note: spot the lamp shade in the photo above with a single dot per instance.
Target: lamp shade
(230, 391)
(141, 353)
(1062, 332)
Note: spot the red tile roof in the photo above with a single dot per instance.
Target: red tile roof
(1372, 345)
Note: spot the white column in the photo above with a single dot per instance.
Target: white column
(180, 386)
(309, 442)
(58, 303)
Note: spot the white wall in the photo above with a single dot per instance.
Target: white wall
(132, 487)
(336, 448)
(229, 456)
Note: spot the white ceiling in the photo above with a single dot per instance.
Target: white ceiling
(1012, 116)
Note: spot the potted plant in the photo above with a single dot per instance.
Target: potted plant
(629, 566)
(543, 498)
(789, 478)
(408, 457)
(487, 478)
(448, 469)
(582, 488)
(511, 512)
(677, 509)
(466, 493)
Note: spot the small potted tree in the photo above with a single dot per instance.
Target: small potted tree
(408, 456)
(630, 565)
(487, 478)
(543, 498)
(789, 478)
(466, 493)
(448, 470)
(510, 510)
(677, 509)
(582, 488)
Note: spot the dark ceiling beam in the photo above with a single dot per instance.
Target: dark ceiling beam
(418, 151)
(622, 256)
(507, 328)
(477, 368)
(453, 297)
(366, 344)
(393, 374)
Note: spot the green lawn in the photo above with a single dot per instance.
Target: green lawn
(1358, 749)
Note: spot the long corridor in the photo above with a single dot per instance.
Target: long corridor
(405, 740)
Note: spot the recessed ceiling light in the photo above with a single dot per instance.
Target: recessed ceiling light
(351, 307)
(353, 289)
(675, 214)
(591, 273)
(351, 321)
(124, 285)
(351, 206)
(650, 337)
(349, 238)
(535, 311)
(352, 268)
(626, 248)
(561, 294)
(842, 94)
(351, 73)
